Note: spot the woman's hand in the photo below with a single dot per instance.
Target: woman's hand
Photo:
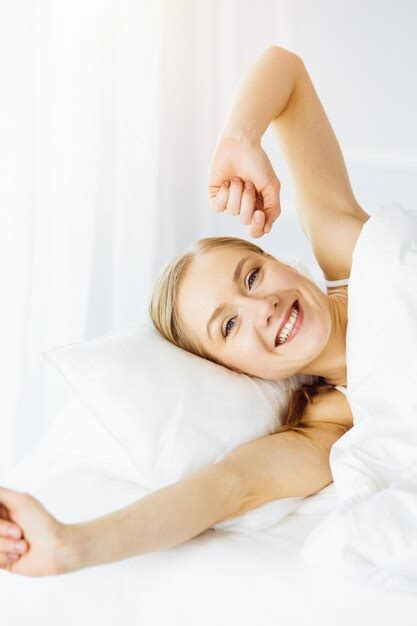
(40, 535)
(242, 181)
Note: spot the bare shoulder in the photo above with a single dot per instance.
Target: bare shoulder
(333, 237)
(331, 407)
(282, 465)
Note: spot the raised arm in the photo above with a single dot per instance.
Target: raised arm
(277, 91)
(328, 211)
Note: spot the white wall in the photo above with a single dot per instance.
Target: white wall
(362, 60)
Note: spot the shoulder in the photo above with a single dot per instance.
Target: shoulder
(329, 407)
(333, 237)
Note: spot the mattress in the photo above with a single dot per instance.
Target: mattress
(78, 471)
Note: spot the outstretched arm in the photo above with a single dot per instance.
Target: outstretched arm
(277, 466)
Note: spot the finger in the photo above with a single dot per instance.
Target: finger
(235, 196)
(9, 530)
(4, 513)
(257, 224)
(11, 545)
(7, 559)
(219, 201)
(10, 499)
(271, 202)
(247, 206)
(12, 557)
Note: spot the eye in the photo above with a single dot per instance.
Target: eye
(254, 273)
(227, 332)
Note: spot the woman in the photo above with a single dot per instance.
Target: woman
(265, 319)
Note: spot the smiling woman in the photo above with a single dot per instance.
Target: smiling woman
(225, 299)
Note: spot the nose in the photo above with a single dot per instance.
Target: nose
(261, 311)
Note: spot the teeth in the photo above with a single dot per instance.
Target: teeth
(283, 336)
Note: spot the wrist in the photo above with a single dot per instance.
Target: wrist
(72, 551)
(241, 132)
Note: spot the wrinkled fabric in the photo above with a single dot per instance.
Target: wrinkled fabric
(215, 577)
(372, 531)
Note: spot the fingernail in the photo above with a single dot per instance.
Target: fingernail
(12, 557)
(236, 179)
(267, 229)
(13, 532)
(248, 185)
(258, 217)
(19, 546)
(226, 183)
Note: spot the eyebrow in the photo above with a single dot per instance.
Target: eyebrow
(221, 307)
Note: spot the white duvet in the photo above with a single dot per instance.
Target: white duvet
(372, 531)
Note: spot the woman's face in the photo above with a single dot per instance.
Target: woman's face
(256, 292)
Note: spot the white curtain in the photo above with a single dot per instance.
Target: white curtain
(109, 113)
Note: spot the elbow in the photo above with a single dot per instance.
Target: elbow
(235, 493)
(284, 52)
(287, 61)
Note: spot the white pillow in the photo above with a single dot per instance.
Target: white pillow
(77, 470)
(172, 411)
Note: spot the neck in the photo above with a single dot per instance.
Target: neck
(331, 363)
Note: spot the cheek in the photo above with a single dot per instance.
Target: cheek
(249, 347)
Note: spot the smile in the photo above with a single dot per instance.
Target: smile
(291, 326)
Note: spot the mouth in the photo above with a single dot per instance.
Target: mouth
(296, 305)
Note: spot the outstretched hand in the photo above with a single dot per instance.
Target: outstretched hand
(37, 531)
(243, 182)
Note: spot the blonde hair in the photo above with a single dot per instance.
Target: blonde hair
(164, 313)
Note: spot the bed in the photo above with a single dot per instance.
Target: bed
(219, 577)
(367, 517)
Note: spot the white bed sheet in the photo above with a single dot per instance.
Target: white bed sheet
(219, 577)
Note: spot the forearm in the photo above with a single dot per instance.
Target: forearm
(160, 520)
(263, 93)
